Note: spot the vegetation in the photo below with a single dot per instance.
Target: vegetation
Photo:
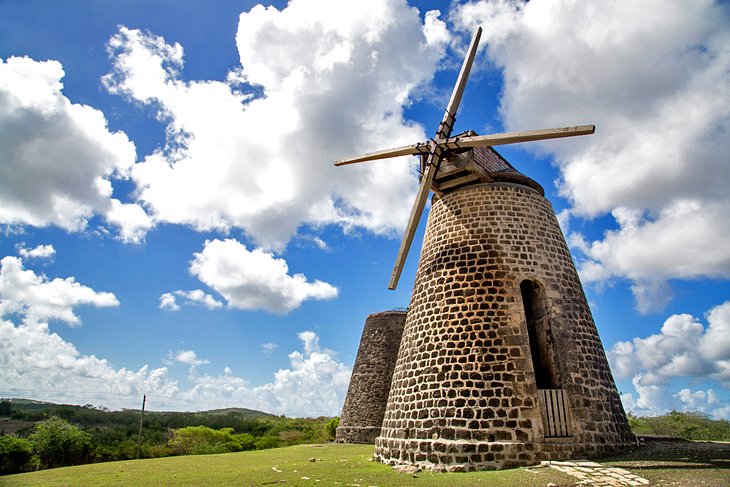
(662, 463)
(324, 464)
(15, 454)
(690, 426)
(59, 443)
(43, 435)
(330, 427)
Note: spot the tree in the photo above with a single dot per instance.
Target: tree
(58, 443)
(6, 408)
(330, 427)
(201, 440)
(15, 454)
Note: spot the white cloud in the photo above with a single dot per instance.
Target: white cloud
(254, 279)
(314, 385)
(40, 299)
(662, 113)
(39, 252)
(196, 297)
(58, 158)
(189, 357)
(168, 302)
(268, 347)
(131, 219)
(34, 361)
(335, 77)
(683, 348)
(37, 362)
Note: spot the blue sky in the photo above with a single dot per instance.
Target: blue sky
(172, 224)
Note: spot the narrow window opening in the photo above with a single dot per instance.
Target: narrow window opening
(540, 335)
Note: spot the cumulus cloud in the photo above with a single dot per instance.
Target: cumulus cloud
(133, 222)
(39, 252)
(662, 112)
(58, 157)
(40, 299)
(684, 348)
(168, 302)
(38, 362)
(318, 81)
(189, 357)
(196, 297)
(35, 361)
(314, 385)
(254, 280)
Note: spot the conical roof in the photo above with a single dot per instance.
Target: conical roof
(478, 165)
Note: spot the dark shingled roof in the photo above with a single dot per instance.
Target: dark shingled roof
(500, 169)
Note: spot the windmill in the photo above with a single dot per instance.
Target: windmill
(442, 144)
(500, 363)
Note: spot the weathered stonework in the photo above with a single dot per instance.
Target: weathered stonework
(497, 312)
(367, 395)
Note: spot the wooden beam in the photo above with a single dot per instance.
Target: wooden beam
(452, 183)
(476, 141)
(517, 137)
(456, 95)
(416, 212)
(406, 150)
(434, 159)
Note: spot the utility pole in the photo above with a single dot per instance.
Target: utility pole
(139, 435)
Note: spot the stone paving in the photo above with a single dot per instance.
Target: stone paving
(595, 474)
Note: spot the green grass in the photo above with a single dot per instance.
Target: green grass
(663, 463)
(334, 465)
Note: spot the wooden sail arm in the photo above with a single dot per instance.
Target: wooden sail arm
(475, 141)
(406, 150)
(516, 137)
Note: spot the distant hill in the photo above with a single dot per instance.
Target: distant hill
(240, 411)
(22, 404)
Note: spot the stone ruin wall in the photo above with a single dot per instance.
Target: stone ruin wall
(464, 395)
(367, 395)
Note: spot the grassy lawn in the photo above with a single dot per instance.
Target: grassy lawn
(334, 465)
(681, 463)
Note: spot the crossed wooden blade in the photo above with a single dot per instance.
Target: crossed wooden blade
(439, 147)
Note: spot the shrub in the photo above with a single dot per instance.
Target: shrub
(15, 454)
(330, 427)
(201, 440)
(58, 443)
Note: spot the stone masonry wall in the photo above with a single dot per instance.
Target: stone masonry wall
(464, 395)
(362, 414)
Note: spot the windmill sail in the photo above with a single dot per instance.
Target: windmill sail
(434, 159)
(440, 146)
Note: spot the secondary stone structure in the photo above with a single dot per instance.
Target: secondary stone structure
(500, 363)
(367, 395)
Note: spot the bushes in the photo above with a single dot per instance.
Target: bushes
(692, 426)
(201, 440)
(100, 435)
(330, 427)
(15, 454)
(59, 443)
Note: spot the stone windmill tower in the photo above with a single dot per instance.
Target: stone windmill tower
(500, 364)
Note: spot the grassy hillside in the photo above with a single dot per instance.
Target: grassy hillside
(662, 463)
(346, 464)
